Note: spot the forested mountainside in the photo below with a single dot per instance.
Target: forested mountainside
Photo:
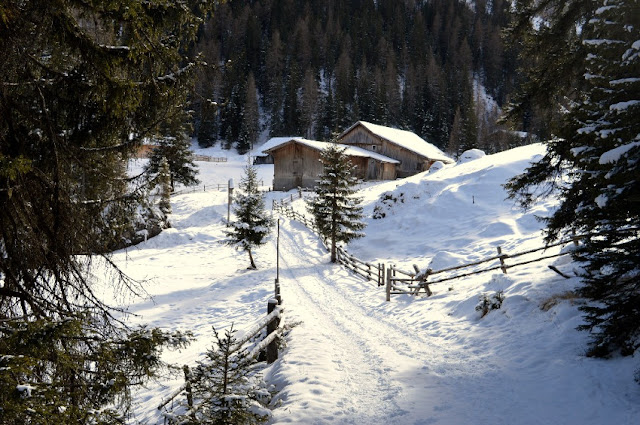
(313, 67)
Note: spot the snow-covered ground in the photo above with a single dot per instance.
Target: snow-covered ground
(351, 357)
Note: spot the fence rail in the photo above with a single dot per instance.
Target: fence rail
(209, 187)
(205, 158)
(372, 272)
(414, 282)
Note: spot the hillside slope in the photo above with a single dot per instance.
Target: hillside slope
(351, 357)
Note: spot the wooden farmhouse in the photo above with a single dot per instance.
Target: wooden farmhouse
(413, 153)
(297, 163)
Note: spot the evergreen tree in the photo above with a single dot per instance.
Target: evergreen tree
(336, 211)
(224, 386)
(250, 125)
(252, 224)
(596, 170)
(81, 85)
(164, 177)
(552, 58)
(176, 151)
(208, 126)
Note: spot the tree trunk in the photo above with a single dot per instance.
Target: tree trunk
(334, 225)
(253, 264)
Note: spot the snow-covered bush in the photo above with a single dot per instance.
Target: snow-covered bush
(386, 203)
(436, 166)
(470, 155)
(488, 303)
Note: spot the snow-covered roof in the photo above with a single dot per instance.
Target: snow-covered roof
(274, 141)
(405, 139)
(314, 144)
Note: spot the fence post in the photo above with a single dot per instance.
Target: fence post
(272, 348)
(389, 284)
(502, 265)
(277, 292)
(187, 380)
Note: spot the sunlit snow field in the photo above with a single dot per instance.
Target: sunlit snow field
(353, 358)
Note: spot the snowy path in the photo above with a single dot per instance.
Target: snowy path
(367, 370)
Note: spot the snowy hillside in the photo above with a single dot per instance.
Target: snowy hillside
(351, 357)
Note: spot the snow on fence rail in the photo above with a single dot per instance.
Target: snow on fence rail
(265, 349)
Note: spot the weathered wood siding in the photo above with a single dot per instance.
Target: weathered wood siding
(295, 165)
(410, 162)
(389, 171)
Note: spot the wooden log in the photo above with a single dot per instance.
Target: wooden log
(555, 269)
(272, 348)
(422, 279)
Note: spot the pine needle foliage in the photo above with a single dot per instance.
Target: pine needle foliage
(65, 371)
(595, 170)
(177, 152)
(253, 223)
(337, 212)
(82, 84)
(225, 386)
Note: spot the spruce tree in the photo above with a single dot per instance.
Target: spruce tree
(82, 83)
(336, 211)
(224, 386)
(250, 119)
(595, 168)
(177, 152)
(252, 224)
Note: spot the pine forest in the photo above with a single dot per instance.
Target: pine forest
(312, 68)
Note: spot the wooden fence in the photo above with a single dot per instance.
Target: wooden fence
(368, 271)
(210, 187)
(372, 272)
(265, 349)
(398, 281)
(406, 282)
(206, 158)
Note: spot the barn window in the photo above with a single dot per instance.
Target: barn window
(373, 147)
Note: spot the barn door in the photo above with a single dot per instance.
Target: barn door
(372, 170)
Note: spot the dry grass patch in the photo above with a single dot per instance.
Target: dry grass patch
(552, 301)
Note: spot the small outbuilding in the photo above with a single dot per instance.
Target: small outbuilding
(413, 153)
(296, 163)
